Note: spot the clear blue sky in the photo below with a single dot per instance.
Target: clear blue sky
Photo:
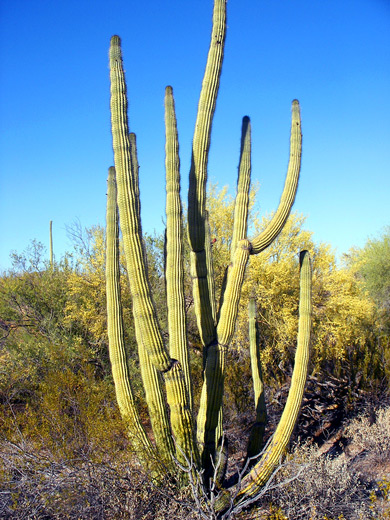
(55, 144)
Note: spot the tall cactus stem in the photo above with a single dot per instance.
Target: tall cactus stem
(181, 416)
(177, 379)
(128, 202)
(210, 269)
(273, 229)
(212, 390)
(156, 402)
(255, 444)
(198, 175)
(120, 372)
(272, 455)
(174, 246)
(241, 205)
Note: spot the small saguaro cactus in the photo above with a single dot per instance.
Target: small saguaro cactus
(179, 439)
(51, 244)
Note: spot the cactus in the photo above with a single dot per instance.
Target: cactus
(51, 244)
(165, 370)
(255, 444)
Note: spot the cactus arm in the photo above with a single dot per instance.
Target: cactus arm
(201, 295)
(241, 205)
(124, 393)
(145, 318)
(212, 390)
(181, 416)
(174, 245)
(177, 379)
(198, 175)
(155, 399)
(266, 237)
(211, 398)
(275, 450)
(210, 269)
(261, 472)
(255, 444)
(235, 279)
(210, 404)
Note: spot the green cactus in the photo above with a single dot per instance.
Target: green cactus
(255, 444)
(165, 370)
(51, 245)
(124, 393)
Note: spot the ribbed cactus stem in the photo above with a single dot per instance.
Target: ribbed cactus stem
(235, 279)
(210, 404)
(212, 390)
(181, 416)
(273, 229)
(156, 401)
(128, 202)
(120, 372)
(198, 176)
(241, 205)
(210, 270)
(173, 429)
(177, 379)
(174, 246)
(262, 471)
(255, 444)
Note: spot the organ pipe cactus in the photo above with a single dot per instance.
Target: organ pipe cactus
(165, 369)
(255, 443)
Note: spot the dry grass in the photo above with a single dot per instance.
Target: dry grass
(37, 487)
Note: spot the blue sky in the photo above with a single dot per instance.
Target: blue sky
(55, 141)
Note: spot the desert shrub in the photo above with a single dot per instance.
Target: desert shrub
(325, 489)
(71, 413)
(351, 486)
(372, 434)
